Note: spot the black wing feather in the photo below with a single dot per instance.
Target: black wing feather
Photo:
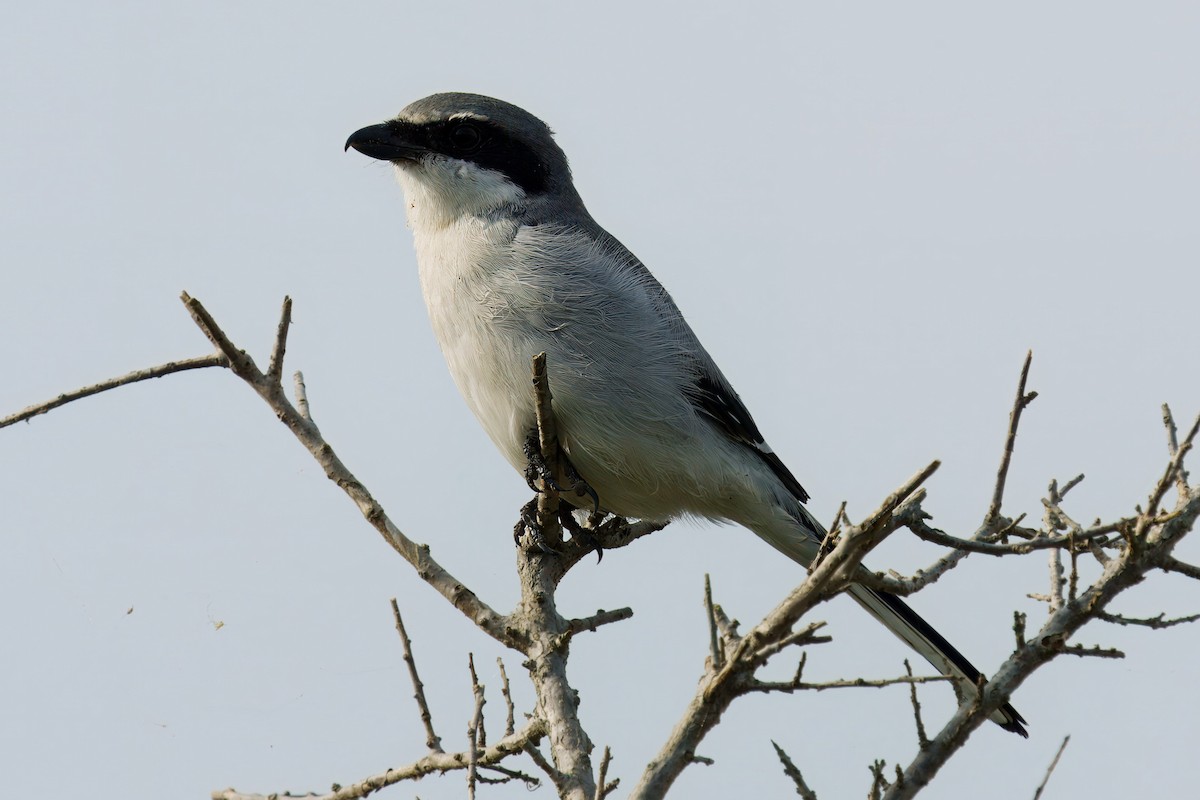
(716, 400)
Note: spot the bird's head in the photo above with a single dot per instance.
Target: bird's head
(465, 154)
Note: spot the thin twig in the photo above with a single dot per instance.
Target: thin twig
(301, 396)
(922, 737)
(476, 738)
(1095, 651)
(275, 370)
(602, 776)
(598, 619)
(1172, 470)
(714, 647)
(1157, 623)
(804, 636)
(466, 601)
(1014, 420)
(830, 538)
(530, 781)
(935, 536)
(543, 407)
(171, 367)
(534, 731)
(1171, 564)
(879, 783)
(1181, 474)
(793, 772)
(505, 691)
(1050, 770)
(432, 740)
(719, 687)
(545, 766)
(795, 685)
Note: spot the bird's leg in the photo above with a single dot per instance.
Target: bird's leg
(539, 475)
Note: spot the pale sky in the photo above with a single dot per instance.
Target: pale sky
(868, 212)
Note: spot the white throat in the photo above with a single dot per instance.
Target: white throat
(440, 191)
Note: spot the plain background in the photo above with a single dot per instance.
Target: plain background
(869, 212)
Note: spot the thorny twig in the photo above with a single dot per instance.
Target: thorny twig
(432, 740)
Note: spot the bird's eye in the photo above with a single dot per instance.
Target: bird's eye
(465, 137)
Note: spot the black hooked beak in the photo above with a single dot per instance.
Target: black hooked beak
(390, 141)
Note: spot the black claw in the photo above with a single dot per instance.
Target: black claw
(582, 487)
(584, 536)
(539, 541)
(537, 471)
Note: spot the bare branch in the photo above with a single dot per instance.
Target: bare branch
(1095, 651)
(1050, 770)
(432, 740)
(830, 537)
(1181, 474)
(556, 777)
(1170, 564)
(1055, 597)
(804, 636)
(547, 427)
(510, 711)
(301, 396)
(603, 786)
(790, 769)
(476, 738)
(200, 362)
(727, 627)
(985, 547)
(533, 732)
(1019, 621)
(598, 619)
(879, 783)
(530, 782)
(612, 533)
(1173, 468)
(275, 370)
(1022, 399)
(302, 428)
(795, 685)
(922, 737)
(721, 685)
(714, 648)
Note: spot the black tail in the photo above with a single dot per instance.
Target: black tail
(918, 634)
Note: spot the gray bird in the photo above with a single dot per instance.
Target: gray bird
(512, 264)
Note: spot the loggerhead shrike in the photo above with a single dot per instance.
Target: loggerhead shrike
(512, 264)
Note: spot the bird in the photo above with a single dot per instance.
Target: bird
(512, 264)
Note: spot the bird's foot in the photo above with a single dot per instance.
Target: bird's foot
(539, 474)
(529, 525)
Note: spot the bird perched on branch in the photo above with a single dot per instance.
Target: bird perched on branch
(512, 264)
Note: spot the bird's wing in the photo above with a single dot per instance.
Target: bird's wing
(710, 392)
(714, 398)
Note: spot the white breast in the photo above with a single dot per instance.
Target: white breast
(489, 364)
